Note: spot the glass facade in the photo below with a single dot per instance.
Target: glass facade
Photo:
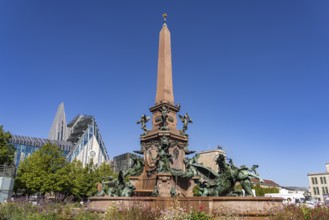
(84, 142)
(88, 143)
(25, 146)
(23, 151)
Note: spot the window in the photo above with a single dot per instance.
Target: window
(85, 139)
(314, 180)
(323, 180)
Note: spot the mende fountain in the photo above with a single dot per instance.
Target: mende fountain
(163, 174)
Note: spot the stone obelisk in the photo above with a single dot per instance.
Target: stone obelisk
(164, 112)
(164, 99)
(164, 93)
(164, 146)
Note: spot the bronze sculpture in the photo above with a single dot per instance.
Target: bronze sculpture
(136, 167)
(144, 119)
(160, 156)
(164, 115)
(164, 158)
(117, 187)
(185, 120)
(222, 183)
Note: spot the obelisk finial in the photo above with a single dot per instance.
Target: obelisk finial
(164, 19)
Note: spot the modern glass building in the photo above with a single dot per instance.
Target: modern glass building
(87, 140)
(7, 174)
(25, 146)
(80, 139)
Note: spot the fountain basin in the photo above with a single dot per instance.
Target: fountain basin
(246, 207)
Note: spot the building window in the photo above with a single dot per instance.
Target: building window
(85, 139)
(315, 180)
(316, 191)
(323, 180)
(324, 190)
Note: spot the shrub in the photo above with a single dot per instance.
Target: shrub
(140, 211)
(54, 211)
(199, 215)
(301, 213)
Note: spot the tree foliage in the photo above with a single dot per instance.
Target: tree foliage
(39, 172)
(7, 151)
(89, 176)
(260, 191)
(47, 171)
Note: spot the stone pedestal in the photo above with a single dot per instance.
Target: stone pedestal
(165, 184)
(169, 185)
(144, 184)
(171, 120)
(151, 143)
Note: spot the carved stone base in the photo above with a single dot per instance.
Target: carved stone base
(166, 184)
(144, 184)
(169, 185)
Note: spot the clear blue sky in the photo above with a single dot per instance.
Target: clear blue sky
(253, 75)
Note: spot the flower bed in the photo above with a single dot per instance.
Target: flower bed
(54, 211)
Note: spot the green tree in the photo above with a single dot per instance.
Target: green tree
(7, 151)
(39, 173)
(260, 191)
(47, 171)
(81, 182)
(74, 174)
(104, 171)
(92, 175)
(90, 179)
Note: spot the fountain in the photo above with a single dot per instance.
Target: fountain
(164, 174)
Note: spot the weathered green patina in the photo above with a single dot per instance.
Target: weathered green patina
(185, 120)
(117, 187)
(144, 119)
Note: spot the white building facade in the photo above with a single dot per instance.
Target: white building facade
(80, 140)
(84, 136)
(319, 184)
(87, 140)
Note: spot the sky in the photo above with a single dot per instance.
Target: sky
(253, 75)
